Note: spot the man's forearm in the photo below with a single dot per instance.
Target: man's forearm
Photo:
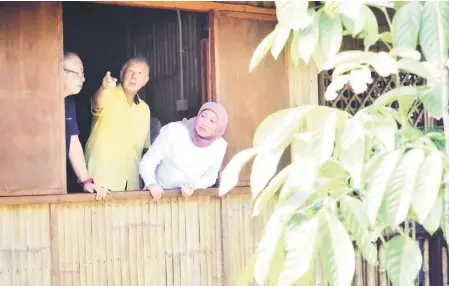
(97, 99)
(77, 160)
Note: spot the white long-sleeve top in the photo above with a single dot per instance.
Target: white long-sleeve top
(174, 160)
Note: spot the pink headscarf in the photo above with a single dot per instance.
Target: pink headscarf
(222, 116)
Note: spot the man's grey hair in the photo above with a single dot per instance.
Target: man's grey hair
(133, 59)
(68, 55)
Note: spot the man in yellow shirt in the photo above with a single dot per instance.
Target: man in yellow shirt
(120, 128)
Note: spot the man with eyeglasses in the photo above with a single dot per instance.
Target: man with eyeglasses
(73, 83)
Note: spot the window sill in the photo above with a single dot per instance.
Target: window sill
(113, 196)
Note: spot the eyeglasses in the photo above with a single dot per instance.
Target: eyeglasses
(79, 74)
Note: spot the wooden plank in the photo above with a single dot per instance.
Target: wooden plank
(175, 241)
(195, 6)
(182, 240)
(102, 238)
(147, 269)
(161, 249)
(116, 242)
(270, 18)
(225, 244)
(190, 204)
(203, 240)
(89, 244)
(29, 192)
(141, 227)
(75, 230)
(196, 271)
(54, 244)
(132, 226)
(166, 207)
(31, 59)
(237, 89)
(114, 196)
(124, 242)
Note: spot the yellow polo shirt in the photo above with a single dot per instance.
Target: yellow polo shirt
(119, 133)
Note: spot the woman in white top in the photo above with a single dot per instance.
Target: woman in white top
(187, 154)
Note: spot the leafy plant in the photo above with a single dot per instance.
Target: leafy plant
(352, 178)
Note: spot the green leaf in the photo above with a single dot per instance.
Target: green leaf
(445, 18)
(335, 86)
(336, 251)
(300, 244)
(398, 196)
(309, 38)
(427, 185)
(271, 189)
(428, 35)
(248, 273)
(404, 95)
(398, 4)
(276, 130)
(304, 168)
(332, 168)
(371, 39)
(318, 118)
(431, 98)
(308, 279)
(282, 36)
(433, 220)
(264, 167)
(384, 64)
(274, 231)
(406, 53)
(371, 26)
(355, 12)
(415, 67)
(356, 222)
(377, 179)
(230, 175)
(386, 37)
(262, 49)
(403, 260)
(344, 68)
(326, 141)
(383, 127)
(352, 154)
(331, 35)
(406, 26)
(293, 14)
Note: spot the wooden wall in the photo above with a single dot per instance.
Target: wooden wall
(248, 97)
(32, 142)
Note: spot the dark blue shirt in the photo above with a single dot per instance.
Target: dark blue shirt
(71, 125)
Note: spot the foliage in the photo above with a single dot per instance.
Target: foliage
(351, 177)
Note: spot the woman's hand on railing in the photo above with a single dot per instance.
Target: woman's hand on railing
(187, 190)
(155, 190)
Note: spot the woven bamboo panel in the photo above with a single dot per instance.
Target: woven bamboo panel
(241, 234)
(351, 102)
(25, 254)
(177, 241)
(172, 242)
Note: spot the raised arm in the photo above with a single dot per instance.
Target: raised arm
(99, 96)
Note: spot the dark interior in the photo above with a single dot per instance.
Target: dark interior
(105, 36)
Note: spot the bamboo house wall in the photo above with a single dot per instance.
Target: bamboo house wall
(48, 237)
